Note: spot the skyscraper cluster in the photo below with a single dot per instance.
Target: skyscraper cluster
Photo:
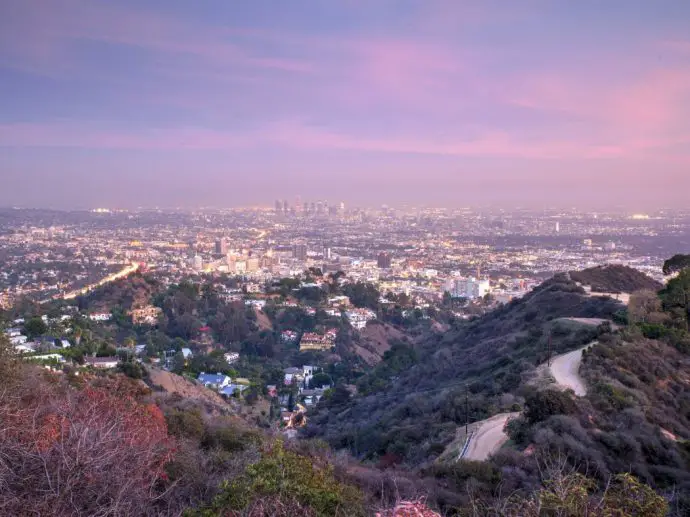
(309, 208)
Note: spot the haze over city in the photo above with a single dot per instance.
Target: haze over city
(170, 103)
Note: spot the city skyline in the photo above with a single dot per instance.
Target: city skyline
(426, 103)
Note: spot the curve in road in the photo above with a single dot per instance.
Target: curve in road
(488, 437)
(565, 369)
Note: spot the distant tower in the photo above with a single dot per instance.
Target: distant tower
(299, 251)
(383, 260)
(558, 226)
(221, 246)
(279, 206)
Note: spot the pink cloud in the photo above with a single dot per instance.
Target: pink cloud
(291, 134)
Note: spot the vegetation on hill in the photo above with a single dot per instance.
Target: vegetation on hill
(614, 278)
(411, 408)
(629, 433)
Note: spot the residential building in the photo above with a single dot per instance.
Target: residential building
(358, 318)
(101, 362)
(313, 341)
(100, 316)
(215, 381)
(231, 357)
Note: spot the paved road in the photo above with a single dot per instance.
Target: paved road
(565, 369)
(488, 437)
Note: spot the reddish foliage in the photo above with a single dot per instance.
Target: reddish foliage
(72, 451)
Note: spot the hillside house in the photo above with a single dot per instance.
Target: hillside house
(313, 341)
(100, 316)
(101, 362)
(358, 318)
(216, 381)
(231, 357)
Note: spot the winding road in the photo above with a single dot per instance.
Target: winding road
(488, 437)
(565, 369)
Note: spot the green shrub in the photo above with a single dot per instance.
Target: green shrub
(285, 474)
(544, 404)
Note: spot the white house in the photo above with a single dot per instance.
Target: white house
(214, 380)
(232, 357)
(358, 318)
(101, 362)
(18, 340)
(100, 316)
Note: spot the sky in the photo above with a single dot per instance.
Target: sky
(169, 103)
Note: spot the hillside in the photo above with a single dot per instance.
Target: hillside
(414, 400)
(135, 290)
(375, 340)
(615, 278)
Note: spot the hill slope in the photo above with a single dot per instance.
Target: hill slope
(615, 279)
(414, 410)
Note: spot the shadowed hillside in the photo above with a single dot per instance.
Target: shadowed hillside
(414, 399)
(615, 279)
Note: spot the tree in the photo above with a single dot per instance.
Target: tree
(676, 263)
(35, 327)
(540, 405)
(676, 297)
(642, 304)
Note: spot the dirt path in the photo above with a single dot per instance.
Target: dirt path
(565, 369)
(488, 437)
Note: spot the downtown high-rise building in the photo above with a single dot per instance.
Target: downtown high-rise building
(221, 246)
(383, 260)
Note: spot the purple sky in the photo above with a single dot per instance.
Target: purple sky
(164, 102)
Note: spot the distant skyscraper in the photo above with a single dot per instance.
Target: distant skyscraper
(558, 227)
(198, 263)
(221, 246)
(299, 251)
(383, 260)
(327, 253)
(279, 206)
(286, 206)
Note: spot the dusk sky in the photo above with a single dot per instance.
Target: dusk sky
(235, 103)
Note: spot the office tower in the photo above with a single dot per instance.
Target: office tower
(384, 260)
(299, 251)
(221, 246)
(286, 207)
(327, 253)
(198, 263)
(279, 206)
